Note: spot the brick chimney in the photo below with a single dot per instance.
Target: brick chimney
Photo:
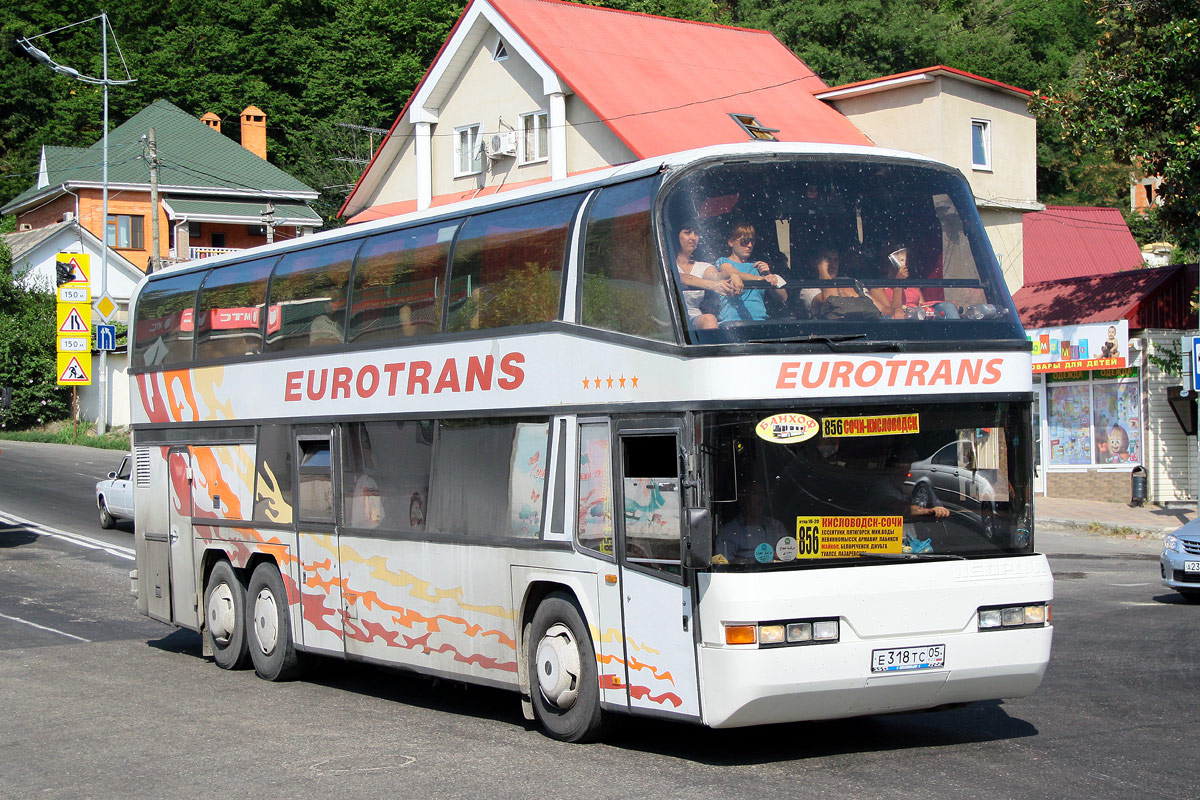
(212, 120)
(254, 131)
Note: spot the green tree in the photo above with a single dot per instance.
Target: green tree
(27, 357)
(1138, 97)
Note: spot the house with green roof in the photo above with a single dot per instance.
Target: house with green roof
(215, 195)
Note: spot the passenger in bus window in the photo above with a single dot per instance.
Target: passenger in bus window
(756, 277)
(701, 278)
(894, 301)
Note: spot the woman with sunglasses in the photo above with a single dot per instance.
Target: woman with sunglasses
(700, 277)
(756, 277)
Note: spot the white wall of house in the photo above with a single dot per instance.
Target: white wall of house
(934, 118)
(591, 144)
(1170, 455)
(117, 390)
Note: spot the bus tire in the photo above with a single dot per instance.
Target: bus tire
(564, 687)
(225, 617)
(270, 632)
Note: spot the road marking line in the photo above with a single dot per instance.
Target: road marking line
(44, 628)
(67, 536)
(1132, 584)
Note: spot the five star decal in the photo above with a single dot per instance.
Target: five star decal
(610, 382)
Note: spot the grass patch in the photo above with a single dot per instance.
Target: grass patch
(66, 433)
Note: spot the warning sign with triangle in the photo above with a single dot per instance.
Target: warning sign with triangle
(74, 318)
(74, 369)
(74, 268)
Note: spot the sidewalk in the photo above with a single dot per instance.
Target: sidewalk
(1086, 527)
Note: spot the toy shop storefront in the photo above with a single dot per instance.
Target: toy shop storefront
(1103, 403)
(1089, 410)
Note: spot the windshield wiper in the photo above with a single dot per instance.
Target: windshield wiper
(829, 339)
(912, 556)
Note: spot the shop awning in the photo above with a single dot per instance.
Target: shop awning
(240, 212)
(1148, 298)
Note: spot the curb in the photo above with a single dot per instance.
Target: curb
(1132, 531)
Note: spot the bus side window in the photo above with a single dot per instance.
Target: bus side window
(489, 477)
(229, 311)
(315, 475)
(399, 283)
(508, 265)
(163, 329)
(594, 521)
(650, 484)
(385, 475)
(273, 474)
(307, 307)
(622, 286)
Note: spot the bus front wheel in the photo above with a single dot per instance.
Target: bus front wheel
(225, 617)
(564, 687)
(270, 635)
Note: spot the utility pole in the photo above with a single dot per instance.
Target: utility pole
(268, 219)
(154, 264)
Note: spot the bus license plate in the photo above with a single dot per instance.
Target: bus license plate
(899, 659)
(1191, 566)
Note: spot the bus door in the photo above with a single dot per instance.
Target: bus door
(317, 540)
(660, 651)
(181, 553)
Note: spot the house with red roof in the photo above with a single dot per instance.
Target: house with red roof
(981, 126)
(525, 91)
(1074, 241)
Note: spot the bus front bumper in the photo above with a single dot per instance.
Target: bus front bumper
(746, 686)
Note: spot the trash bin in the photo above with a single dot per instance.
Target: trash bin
(1137, 479)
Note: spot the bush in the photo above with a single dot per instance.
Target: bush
(27, 353)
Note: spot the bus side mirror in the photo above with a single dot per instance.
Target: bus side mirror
(698, 539)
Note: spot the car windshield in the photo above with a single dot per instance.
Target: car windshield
(829, 485)
(780, 249)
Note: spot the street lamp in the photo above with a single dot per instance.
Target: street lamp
(27, 44)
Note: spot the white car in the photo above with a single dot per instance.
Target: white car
(114, 495)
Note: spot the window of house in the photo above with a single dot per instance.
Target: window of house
(218, 239)
(750, 124)
(535, 140)
(501, 52)
(981, 144)
(468, 152)
(125, 231)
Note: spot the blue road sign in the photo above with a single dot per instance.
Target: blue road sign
(106, 337)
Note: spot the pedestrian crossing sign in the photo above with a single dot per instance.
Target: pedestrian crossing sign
(74, 369)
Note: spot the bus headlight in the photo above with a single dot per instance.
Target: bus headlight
(1035, 615)
(783, 632)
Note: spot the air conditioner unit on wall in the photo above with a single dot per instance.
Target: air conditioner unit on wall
(501, 145)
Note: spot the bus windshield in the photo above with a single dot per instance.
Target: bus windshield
(816, 248)
(856, 484)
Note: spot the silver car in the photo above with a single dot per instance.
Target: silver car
(114, 495)
(950, 477)
(1179, 561)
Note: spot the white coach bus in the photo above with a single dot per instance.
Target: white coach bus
(509, 442)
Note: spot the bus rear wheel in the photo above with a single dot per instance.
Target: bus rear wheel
(270, 635)
(564, 686)
(225, 617)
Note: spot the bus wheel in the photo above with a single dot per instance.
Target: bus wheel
(270, 634)
(225, 617)
(566, 692)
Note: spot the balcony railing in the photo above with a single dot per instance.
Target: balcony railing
(207, 252)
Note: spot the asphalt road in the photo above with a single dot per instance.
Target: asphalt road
(98, 701)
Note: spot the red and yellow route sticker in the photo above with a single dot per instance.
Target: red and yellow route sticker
(848, 537)
(889, 425)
